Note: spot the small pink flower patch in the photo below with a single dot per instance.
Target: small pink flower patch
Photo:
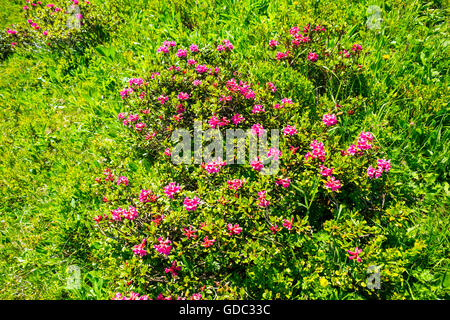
(139, 249)
(289, 130)
(190, 233)
(207, 242)
(333, 184)
(191, 204)
(122, 180)
(329, 119)
(284, 182)
(164, 246)
(171, 189)
(355, 254)
(173, 269)
(313, 57)
(256, 164)
(288, 223)
(234, 229)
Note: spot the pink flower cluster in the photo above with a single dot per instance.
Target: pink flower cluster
(313, 57)
(171, 189)
(173, 269)
(355, 254)
(214, 122)
(284, 182)
(382, 165)
(214, 166)
(133, 296)
(363, 144)
(289, 130)
(225, 46)
(119, 213)
(263, 202)
(256, 164)
(164, 246)
(329, 119)
(235, 183)
(191, 204)
(318, 151)
(139, 249)
(233, 229)
(258, 129)
(333, 184)
(147, 196)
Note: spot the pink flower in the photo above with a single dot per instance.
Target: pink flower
(130, 214)
(274, 229)
(333, 184)
(357, 48)
(289, 130)
(183, 96)
(163, 49)
(273, 43)
(193, 48)
(235, 183)
(214, 166)
(371, 172)
(139, 249)
(207, 242)
(191, 204)
(163, 99)
(181, 53)
(147, 196)
(171, 189)
(197, 82)
(275, 153)
(256, 164)
(384, 164)
(164, 246)
(190, 233)
(263, 202)
(329, 119)
(282, 55)
(271, 86)
(202, 68)
(318, 151)
(234, 229)
(173, 269)
(237, 118)
(313, 57)
(139, 126)
(325, 172)
(122, 180)
(258, 108)
(45, 33)
(284, 182)
(355, 254)
(258, 129)
(288, 223)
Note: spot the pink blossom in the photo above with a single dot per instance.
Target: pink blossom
(202, 68)
(122, 180)
(235, 183)
(234, 229)
(164, 246)
(355, 254)
(147, 196)
(258, 129)
(333, 184)
(213, 166)
(313, 57)
(173, 269)
(357, 48)
(163, 99)
(284, 182)
(181, 53)
(197, 82)
(263, 202)
(271, 86)
(289, 130)
(273, 43)
(183, 96)
(288, 223)
(258, 108)
(275, 153)
(237, 118)
(207, 242)
(139, 249)
(193, 48)
(191, 204)
(329, 119)
(256, 164)
(163, 49)
(171, 189)
(325, 172)
(190, 233)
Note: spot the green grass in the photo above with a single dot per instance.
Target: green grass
(59, 128)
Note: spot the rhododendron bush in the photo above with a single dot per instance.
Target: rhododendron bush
(216, 228)
(60, 25)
